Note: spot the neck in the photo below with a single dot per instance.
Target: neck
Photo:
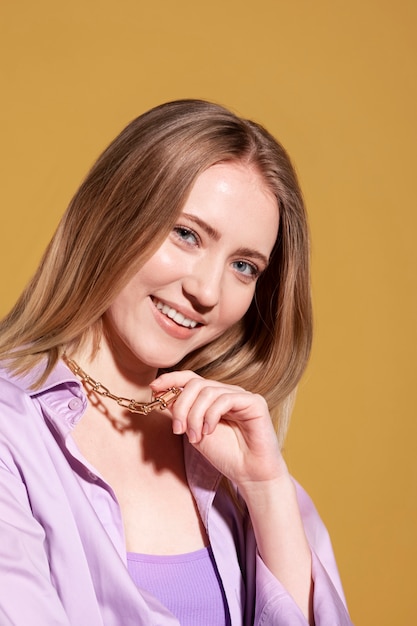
(116, 369)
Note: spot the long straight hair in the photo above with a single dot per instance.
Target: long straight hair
(121, 214)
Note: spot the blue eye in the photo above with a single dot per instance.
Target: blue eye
(245, 268)
(186, 234)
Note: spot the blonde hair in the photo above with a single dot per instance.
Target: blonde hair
(122, 212)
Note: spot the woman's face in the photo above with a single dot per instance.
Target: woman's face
(202, 278)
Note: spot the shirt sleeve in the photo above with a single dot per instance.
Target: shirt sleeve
(27, 592)
(274, 605)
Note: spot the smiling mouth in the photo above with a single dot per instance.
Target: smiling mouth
(175, 315)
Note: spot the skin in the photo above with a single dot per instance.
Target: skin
(206, 269)
(204, 276)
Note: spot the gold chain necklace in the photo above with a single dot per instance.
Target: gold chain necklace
(143, 408)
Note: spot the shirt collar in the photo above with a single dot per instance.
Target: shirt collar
(60, 375)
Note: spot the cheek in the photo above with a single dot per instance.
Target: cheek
(117, 314)
(163, 267)
(235, 306)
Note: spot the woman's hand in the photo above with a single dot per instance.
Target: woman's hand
(231, 427)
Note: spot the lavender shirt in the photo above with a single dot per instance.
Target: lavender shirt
(188, 584)
(62, 548)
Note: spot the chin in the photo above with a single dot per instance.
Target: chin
(161, 362)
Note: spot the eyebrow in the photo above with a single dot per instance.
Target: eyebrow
(215, 235)
(211, 232)
(254, 254)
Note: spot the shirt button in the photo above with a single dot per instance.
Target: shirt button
(92, 476)
(74, 404)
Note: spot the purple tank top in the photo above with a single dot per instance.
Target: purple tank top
(187, 584)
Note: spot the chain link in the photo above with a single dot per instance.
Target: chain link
(143, 408)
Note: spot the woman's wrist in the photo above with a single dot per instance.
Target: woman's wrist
(278, 479)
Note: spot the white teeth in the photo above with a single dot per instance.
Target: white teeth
(178, 317)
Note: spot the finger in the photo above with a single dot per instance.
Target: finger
(184, 418)
(204, 413)
(172, 379)
(214, 403)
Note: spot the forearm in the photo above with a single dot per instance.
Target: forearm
(280, 536)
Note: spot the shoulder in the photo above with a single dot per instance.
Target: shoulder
(26, 388)
(13, 399)
(26, 412)
(19, 425)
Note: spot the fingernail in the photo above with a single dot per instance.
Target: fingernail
(177, 427)
(192, 437)
(206, 429)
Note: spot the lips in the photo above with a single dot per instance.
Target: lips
(176, 316)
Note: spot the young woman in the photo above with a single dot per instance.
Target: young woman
(148, 372)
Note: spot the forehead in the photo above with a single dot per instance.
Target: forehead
(235, 197)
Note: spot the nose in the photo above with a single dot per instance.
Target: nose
(203, 284)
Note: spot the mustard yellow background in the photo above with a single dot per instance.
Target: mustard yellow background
(336, 83)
